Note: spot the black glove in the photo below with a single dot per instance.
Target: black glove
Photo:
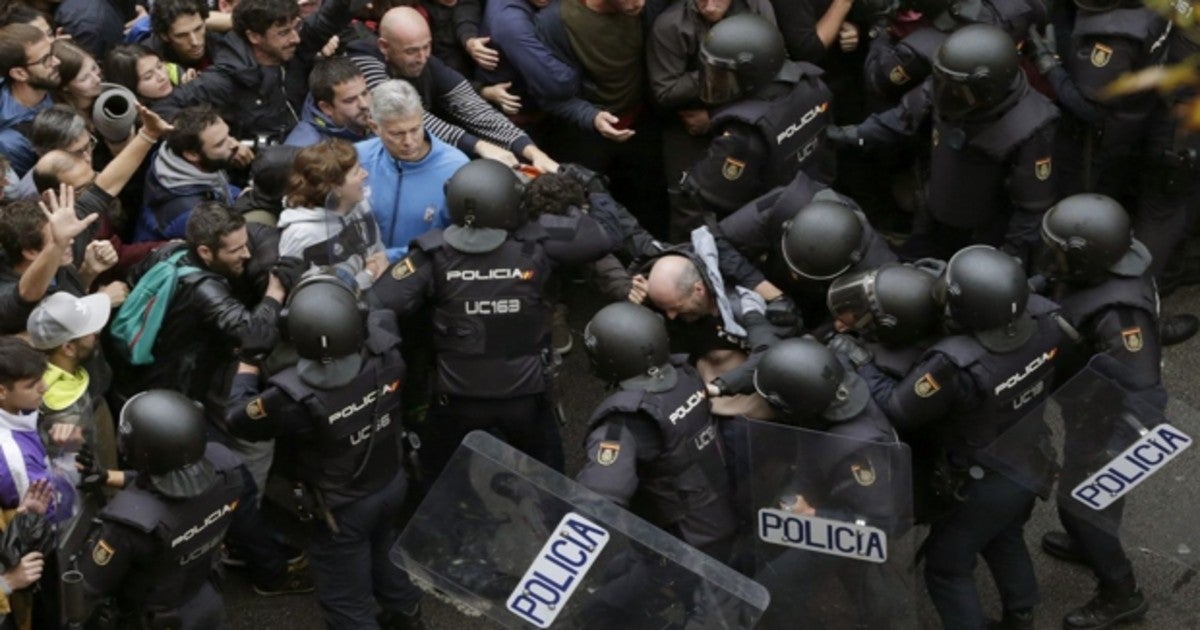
(591, 181)
(844, 136)
(851, 348)
(781, 311)
(739, 380)
(254, 350)
(288, 269)
(91, 475)
(1045, 48)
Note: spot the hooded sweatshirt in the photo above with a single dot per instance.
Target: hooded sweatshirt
(315, 126)
(341, 243)
(15, 119)
(173, 188)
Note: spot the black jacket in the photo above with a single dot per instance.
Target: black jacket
(260, 100)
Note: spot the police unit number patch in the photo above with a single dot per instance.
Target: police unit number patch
(926, 386)
(403, 269)
(607, 454)
(1101, 55)
(557, 570)
(1132, 339)
(103, 553)
(1041, 169)
(732, 169)
(255, 409)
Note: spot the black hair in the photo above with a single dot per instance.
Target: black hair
(257, 16)
(21, 228)
(329, 74)
(19, 361)
(164, 13)
(552, 193)
(210, 222)
(189, 123)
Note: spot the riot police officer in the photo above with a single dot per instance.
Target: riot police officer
(337, 412)
(157, 541)
(757, 230)
(1099, 276)
(654, 436)
(901, 55)
(890, 310)
(772, 120)
(991, 175)
(484, 276)
(836, 478)
(995, 368)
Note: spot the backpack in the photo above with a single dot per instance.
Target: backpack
(136, 324)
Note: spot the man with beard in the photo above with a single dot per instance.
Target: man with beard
(338, 105)
(30, 71)
(188, 170)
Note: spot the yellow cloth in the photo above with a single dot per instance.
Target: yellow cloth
(63, 388)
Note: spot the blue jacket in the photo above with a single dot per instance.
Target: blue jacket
(408, 197)
(315, 126)
(525, 59)
(14, 119)
(94, 25)
(165, 210)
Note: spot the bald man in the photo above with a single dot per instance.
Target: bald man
(722, 326)
(454, 112)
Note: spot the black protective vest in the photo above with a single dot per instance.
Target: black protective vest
(1011, 385)
(793, 127)
(356, 237)
(895, 362)
(1125, 123)
(969, 165)
(686, 487)
(1080, 305)
(188, 531)
(344, 418)
(491, 326)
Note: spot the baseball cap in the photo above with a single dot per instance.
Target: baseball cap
(61, 317)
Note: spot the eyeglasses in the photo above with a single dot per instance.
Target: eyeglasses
(47, 61)
(85, 151)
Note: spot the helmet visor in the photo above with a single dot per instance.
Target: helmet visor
(718, 80)
(953, 96)
(851, 300)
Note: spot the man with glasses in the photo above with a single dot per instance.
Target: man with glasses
(30, 71)
(260, 70)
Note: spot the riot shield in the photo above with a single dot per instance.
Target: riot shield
(1113, 459)
(832, 536)
(507, 537)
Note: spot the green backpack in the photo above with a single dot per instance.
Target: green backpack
(136, 324)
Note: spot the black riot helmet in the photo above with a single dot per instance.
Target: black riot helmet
(984, 291)
(627, 341)
(162, 437)
(1100, 6)
(740, 55)
(485, 194)
(823, 240)
(325, 322)
(802, 378)
(1090, 236)
(976, 72)
(892, 304)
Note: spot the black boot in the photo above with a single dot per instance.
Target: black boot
(1177, 329)
(407, 620)
(1062, 546)
(1112, 605)
(1014, 620)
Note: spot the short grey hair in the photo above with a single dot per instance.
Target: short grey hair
(394, 99)
(57, 127)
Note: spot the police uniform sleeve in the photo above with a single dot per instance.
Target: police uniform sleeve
(730, 174)
(406, 285)
(613, 449)
(749, 229)
(1129, 335)
(255, 414)
(861, 487)
(930, 391)
(108, 557)
(890, 67)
